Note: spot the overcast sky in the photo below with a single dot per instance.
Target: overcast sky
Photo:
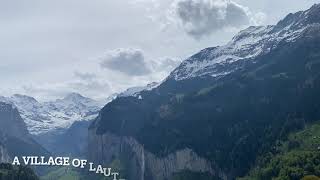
(49, 48)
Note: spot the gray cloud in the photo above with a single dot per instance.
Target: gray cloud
(85, 75)
(128, 61)
(203, 17)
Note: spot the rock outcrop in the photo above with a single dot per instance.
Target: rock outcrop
(15, 139)
(11, 122)
(143, 165)
(4, 156)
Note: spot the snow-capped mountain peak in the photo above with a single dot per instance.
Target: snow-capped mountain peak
(24, 99)
(134, 91)
(43, 117)
(246, 45)
(74, 97)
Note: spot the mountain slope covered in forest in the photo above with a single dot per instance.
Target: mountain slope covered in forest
(221, 108)
(296, 157)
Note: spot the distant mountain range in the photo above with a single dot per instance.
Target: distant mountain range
(61, 125)
(247, 45)
(220, 109)
(58, 115)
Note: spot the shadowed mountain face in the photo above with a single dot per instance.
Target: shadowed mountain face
(73, 142)
(14, 137)
(220, 108)
(11, 122)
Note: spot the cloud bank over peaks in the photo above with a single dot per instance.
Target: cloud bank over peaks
(200, 18)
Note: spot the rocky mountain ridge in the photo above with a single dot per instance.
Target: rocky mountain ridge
(15, 139)
(226, 104)
(246, 45)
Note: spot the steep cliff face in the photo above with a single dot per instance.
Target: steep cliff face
(4, 156)
(142, 164)
(220, 108)
(14, 137)
(11, 122)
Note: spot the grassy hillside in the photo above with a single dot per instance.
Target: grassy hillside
(62, 174)
(296, 158)
(67, 173)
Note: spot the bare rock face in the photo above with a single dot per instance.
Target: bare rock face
(186, 159)
(4, 156)
(143, 165)
(15, 139)
(11, 122)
